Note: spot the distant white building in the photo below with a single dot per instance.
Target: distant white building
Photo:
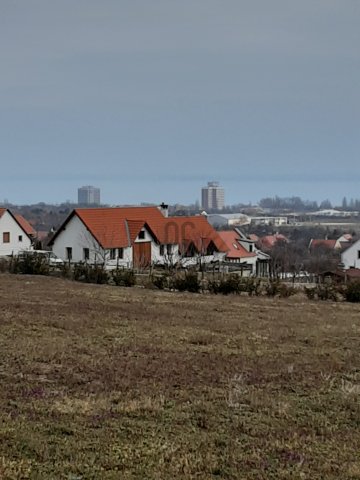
(88, 195)
(350, 258)
(228, 219)
(331, 212)
(275, 221)
(212, 197)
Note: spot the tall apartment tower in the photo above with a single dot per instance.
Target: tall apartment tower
(212, 196)
(89, 195)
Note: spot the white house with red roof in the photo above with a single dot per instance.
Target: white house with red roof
(135, 237)
(13, 235)
(243, 252)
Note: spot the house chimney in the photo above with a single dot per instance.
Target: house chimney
(164, 209)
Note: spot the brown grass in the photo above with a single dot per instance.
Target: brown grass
(100, 382)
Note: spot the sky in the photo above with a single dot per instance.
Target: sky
(149, 100)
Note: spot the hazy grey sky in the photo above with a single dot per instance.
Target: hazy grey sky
(149, 99)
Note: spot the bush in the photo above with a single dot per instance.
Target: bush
(327, 291)
(272, 288)
(90, 273)
(352, 292)
(286, 291)
(123, 278)
(188, 282)
(29, 263)
(4, 265)
(252, 286)
(160, 281)
(310, 292)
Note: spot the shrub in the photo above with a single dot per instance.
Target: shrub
(327, 291)
(123, 278)
(352, 292)
(272, 288)
(310, 292)
(29, 263)
(79, 272)
(188, 282)
(252, 286)
(4, 265)
(160, 281)
(286, 291)
(90, 273)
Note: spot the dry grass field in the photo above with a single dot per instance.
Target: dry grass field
(100, 382)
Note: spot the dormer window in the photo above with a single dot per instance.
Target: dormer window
(142, 235)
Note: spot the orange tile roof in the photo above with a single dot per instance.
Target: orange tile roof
(2, 211)
(25, 225)
(196, 230)
(235, 249)
(119, 227)
(269, 241)
(330, 244)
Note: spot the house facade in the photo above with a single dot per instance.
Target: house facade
(242, 252)
(13, 237)
(350, 258)
(135, 237)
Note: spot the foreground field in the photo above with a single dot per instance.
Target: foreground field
(111, 383)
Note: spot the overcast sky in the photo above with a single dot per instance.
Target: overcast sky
(150, 99)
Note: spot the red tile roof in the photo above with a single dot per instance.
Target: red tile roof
(25, 225)
(269, 241)
(2, 211)
(119, 227)
(329, 244)
(235, 249)
(196, 230)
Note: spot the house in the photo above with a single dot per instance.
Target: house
(135, 237)
(350, 258)
(324, 244)
(270, 241)
(14, 236)
(243, 252)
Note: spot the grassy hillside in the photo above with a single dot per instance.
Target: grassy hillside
(110, 383)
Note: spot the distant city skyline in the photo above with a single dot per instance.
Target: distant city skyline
(149, 100)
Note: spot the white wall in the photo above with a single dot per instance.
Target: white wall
(350, 257)
(8, 224)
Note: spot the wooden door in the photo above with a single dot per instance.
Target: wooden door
(142, 255)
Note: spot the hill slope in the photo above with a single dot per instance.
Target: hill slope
(110, 383)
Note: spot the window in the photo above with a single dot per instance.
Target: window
(69, 253)
(6, 237)
(142, 235)
(358, 254)
(169, 249)
(20, 238)
(162, 250)
(121, 253)
(112, 253)
(251, 246)
(86, 253)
